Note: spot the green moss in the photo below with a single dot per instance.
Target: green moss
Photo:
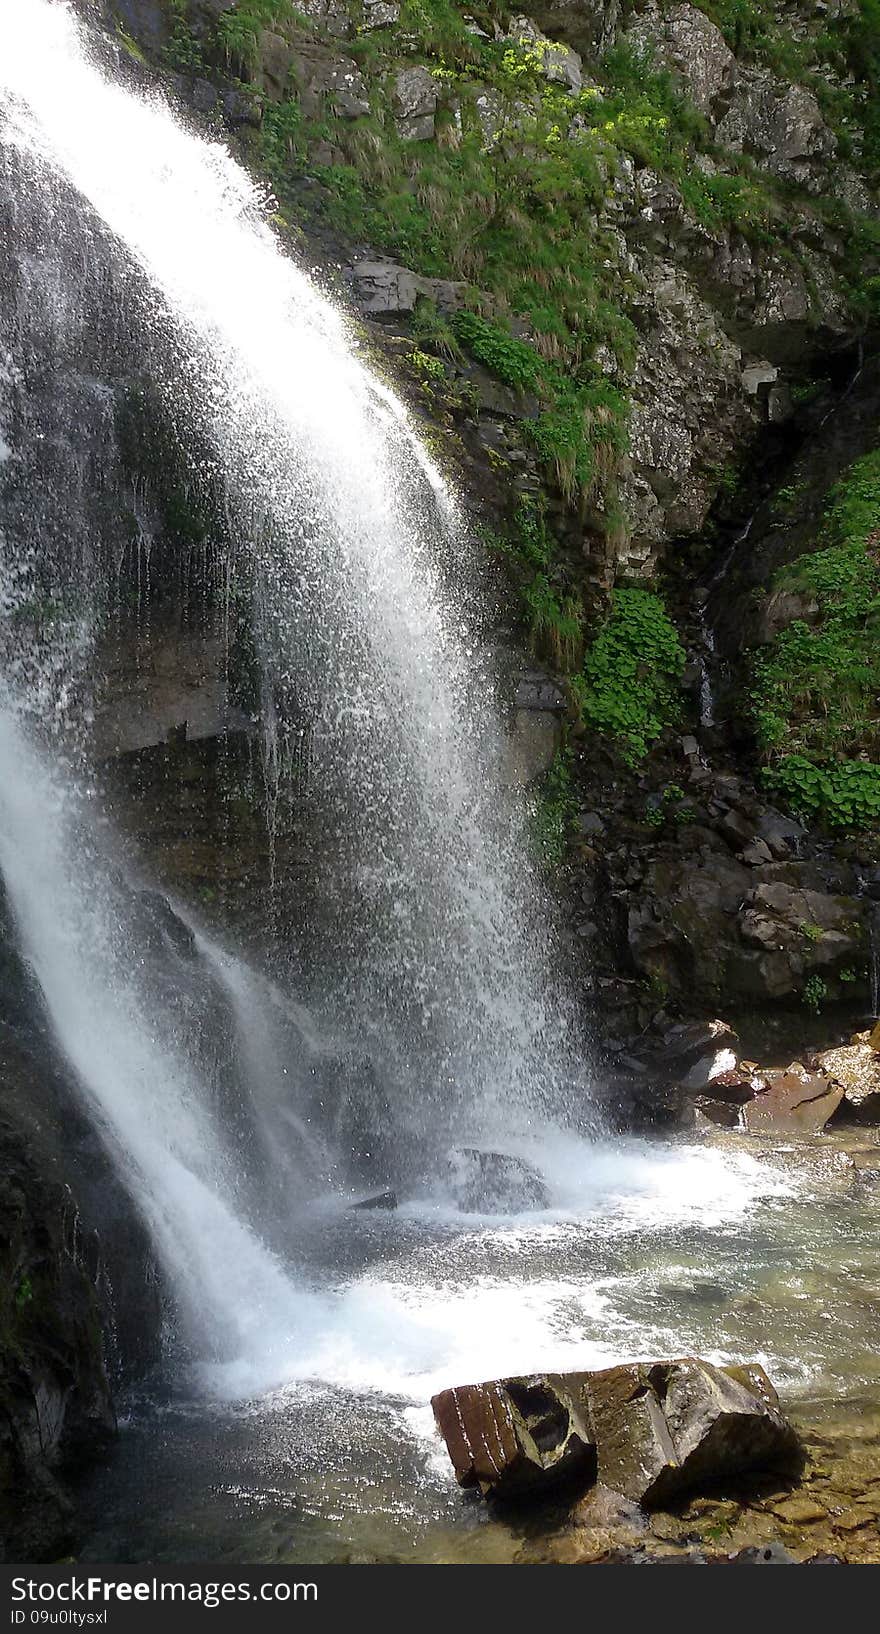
(554, 817)
(814, 691)
(628, 688)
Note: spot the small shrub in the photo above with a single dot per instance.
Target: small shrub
(628, 688)
(815, 993)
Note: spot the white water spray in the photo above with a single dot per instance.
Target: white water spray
(344, 518)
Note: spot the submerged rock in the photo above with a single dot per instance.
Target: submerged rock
(493, 1182)
(516, 1436)
(666, 1428)
(381, 1199)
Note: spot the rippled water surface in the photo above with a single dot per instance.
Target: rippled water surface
(745, 1251)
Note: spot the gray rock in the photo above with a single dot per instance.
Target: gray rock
(486, 1182)
(702, 1073)
(379, 14)
(782, 835)
(591, 824)
(558, 63)
(416, 94)
(385, 289)
(684, 40)
(781, 125)
(756, 375)
(323, 75)
(531, 745)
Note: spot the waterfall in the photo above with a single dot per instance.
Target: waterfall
(427, 934)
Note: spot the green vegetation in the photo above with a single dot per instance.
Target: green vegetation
(554, 819)
(815, 692)
(628, 688)
(553, 613)
(815, 993)
(24, 1293)
(670, 805)
(239, 29)
(507, 201)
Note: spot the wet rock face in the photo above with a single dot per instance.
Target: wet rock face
(493, 1182)
(512, 1437)
(666, 1428)
(55, 1402)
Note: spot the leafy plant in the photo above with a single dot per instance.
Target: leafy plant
(815, 688)
(512, 360)
(815, 993)
(628, 688)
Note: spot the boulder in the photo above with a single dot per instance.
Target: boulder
(383, 289)
(666, 1428)
(381, 1200)
(493, 1182)
(795, 1102)
(688, 1042)
(322, 76)
(556, 63)
(516, 1436)
(648, 1431)
(718, 1064)
(416, 94)
(856, 1067)
(683, 40)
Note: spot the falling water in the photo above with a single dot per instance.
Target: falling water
(427, 940)
(709, 654)
(347, 529)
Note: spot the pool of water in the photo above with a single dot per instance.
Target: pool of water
(321, 1446)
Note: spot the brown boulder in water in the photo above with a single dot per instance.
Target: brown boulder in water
(666, 1428)
(650, 1431)
(516, 1436)
(795, 1102)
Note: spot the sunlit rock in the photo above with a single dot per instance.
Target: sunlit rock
(666, 1428)
(515, 1436)
(795, 1102)
(856, 1067)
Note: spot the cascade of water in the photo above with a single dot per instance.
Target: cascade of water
(426, 883)
(428, 930)
(81, 939)
(709, 654)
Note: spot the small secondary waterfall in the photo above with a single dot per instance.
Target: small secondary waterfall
(433, 941)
